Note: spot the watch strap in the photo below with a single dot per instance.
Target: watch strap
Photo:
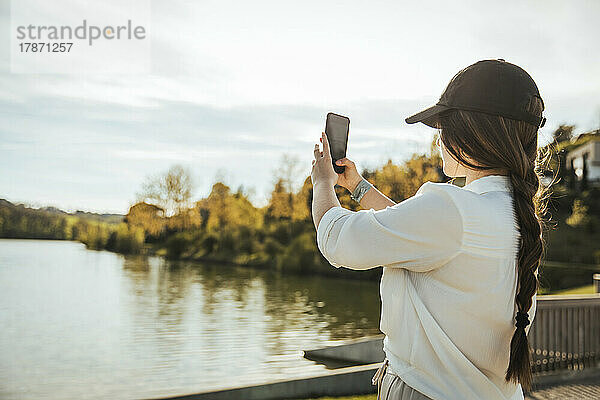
(360, 190)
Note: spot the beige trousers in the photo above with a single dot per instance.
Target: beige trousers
(391, 387)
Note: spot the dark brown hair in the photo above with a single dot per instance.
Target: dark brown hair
(494, 142)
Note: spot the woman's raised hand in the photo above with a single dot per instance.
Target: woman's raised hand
(350, 177)
(322, 169)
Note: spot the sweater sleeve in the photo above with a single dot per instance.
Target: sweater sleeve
(420, 233)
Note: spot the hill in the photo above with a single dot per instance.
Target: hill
(19, 221)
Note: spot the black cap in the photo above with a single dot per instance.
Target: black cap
(493, 87)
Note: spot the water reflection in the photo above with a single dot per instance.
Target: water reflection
(251, 322)
(143, 327)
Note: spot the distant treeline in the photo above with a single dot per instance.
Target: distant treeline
(225, 226)
(96, 231)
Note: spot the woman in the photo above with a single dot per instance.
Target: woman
(460, 264)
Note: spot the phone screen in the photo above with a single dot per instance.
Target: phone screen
(336, 129)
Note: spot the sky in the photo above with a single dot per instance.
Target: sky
(233, 87)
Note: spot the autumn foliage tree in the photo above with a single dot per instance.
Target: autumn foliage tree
(149, 217)
(171, 191)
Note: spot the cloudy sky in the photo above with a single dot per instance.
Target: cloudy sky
(235, 86)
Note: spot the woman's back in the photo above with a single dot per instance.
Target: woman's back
(448, 285)
(464, 310)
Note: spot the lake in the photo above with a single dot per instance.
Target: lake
(89, 324)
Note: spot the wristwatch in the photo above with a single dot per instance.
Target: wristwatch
(360, 190)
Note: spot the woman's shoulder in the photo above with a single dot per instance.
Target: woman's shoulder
(436, 200)
(489, 215)
(433, 186)
(456, 193)
(466, 201)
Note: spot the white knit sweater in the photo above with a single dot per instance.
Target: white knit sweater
(448, 285)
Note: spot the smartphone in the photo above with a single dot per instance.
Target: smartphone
(336, 129)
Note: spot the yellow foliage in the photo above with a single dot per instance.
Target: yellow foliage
(281, 204)
(149, 217)
(222, 209)
(580, 216)
(402, 181)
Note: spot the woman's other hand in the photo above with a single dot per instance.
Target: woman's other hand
(322, 167)
(350, 177)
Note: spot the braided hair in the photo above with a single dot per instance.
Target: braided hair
(495, 142)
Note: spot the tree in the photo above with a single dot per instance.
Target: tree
(303, 202)
(281, 204)
(580, 217)
(223, 210)
(288, 172)
(402, 181)
(171, 191)
(149, 217)
(563, 133)
(214, 207)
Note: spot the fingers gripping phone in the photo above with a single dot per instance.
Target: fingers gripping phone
(336, 129)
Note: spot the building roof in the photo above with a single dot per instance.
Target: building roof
(590, 145)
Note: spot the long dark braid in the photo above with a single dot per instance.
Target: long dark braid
(531, 247)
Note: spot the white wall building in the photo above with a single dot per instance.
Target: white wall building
(586, 158)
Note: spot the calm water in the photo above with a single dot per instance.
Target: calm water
(76, 323)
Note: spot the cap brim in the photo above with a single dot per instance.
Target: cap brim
(429, 116)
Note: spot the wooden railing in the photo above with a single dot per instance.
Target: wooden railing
(565, 333)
